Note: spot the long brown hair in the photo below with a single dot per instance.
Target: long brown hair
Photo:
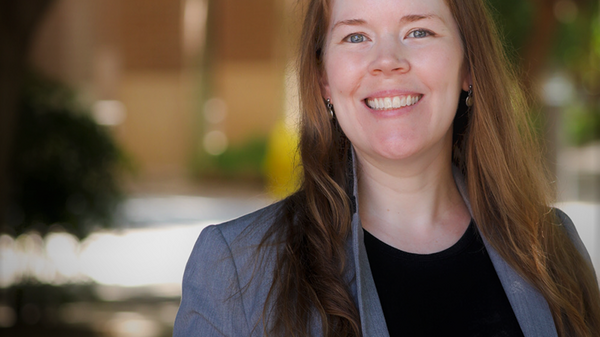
(495, 148)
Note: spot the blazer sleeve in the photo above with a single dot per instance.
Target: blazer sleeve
(211, 303)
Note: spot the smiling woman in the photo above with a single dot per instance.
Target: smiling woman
(423, 198)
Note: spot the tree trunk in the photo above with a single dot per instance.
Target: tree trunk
(18, 20)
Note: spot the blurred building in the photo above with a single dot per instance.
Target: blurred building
(149, 67)
(182, 79)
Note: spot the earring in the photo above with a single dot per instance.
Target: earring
(329, 107)
(469, 100)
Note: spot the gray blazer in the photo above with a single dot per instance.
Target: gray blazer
(224, 294)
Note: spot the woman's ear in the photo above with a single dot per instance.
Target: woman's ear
(324, 84)
(467, 81)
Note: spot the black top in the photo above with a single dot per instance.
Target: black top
(455, 292)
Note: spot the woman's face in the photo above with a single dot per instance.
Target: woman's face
(394, 72)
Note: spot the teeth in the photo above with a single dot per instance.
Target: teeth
(388, 102)
(392, 102)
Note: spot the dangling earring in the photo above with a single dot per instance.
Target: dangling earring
(469, 100)
(329, 108)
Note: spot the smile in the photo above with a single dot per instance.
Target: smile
(396, 102)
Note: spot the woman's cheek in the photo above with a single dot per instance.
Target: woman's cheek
(347, 71)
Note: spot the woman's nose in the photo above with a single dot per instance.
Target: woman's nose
(389, 57)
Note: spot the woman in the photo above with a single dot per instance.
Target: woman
(424, 210)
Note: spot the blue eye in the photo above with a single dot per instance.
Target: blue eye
(356, 38)
(419, 33)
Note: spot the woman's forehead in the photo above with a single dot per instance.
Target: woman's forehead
(377, 10)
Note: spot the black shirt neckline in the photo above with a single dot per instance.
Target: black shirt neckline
(454, 292)
(468, 237)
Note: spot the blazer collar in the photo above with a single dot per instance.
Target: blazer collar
(530, 307)
(367, 300)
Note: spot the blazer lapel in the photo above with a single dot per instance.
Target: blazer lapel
(530, 307)
(364, 290)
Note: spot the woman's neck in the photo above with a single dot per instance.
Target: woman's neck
(414, 207)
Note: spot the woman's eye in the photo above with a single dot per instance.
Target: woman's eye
(419, 33)
(356, 38)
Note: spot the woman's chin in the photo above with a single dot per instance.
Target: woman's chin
(396, 152)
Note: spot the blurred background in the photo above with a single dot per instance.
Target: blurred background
(127, 126)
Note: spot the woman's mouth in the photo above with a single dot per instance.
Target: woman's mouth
(395, 102)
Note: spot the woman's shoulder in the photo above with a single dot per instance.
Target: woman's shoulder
(224, 290)
(567, 223)
(236, 241)
(248, 229)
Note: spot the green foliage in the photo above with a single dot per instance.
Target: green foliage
(576, 40)
(578, 50)
(514, 19)
(64, 166)
(596, 37)
(582, 124)
(575, 51)
(245, 160)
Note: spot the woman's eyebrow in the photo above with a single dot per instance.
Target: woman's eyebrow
(350, 22)
(416, 17)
